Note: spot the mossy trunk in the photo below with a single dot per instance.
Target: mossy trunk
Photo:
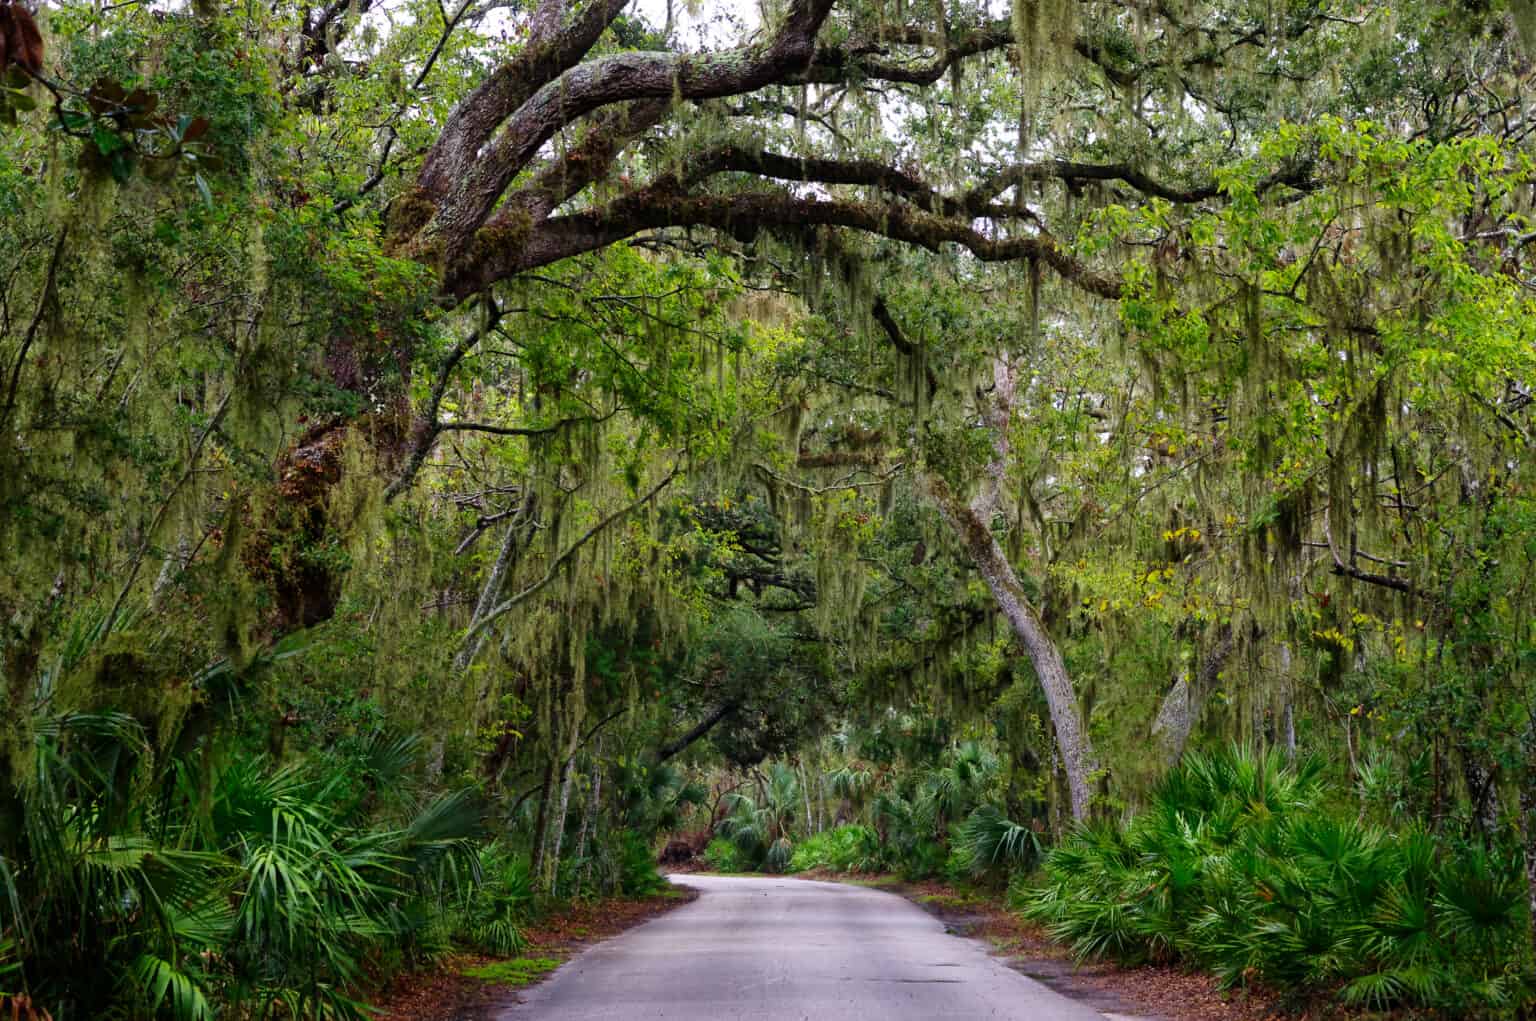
(594, 800)
(541, 821)
(557, 830)
(1528, 821)
(991, 561)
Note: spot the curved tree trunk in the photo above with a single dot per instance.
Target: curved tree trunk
(972, 524)
(992, 562)
(594, 798)
(1528, 820)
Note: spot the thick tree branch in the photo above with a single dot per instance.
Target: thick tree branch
(466, 185)
(899, 341)
(1349, 570)
(545, 58)
(560, 180)
(704, 726)
(870, 60)
(44, 302)
(524, 430)
(868, 173)
(428, 428)
(874, 61)
(744, 215)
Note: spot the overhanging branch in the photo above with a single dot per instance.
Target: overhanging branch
(744, 216)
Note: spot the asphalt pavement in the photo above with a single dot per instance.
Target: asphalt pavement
(767, 949)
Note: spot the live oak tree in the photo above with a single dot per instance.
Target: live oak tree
(560, 151)
(1203, 331)
(1097, 381)
(564, 149)
(952, 128)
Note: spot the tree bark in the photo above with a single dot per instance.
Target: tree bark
(1482, 792)
(805, 792)
(557, 834)
(972, 525)
(701, 728)
(992, 563)
(1528, 821)
(541, 823)
(594, 800)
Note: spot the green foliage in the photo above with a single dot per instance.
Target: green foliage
(656, 799)
(760, 827)
(722, 856)
(638, 875)
(520, 971)
(849, 849)
(239, 882)
(989, 841)
(1237, 865)
(1267, 479)
(490, 918)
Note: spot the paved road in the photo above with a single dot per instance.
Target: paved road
(791, 950)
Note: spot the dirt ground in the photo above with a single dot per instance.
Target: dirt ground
(1155, 993)
(447, 993)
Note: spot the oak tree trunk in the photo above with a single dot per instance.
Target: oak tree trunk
(594, 792)
(1528, 821)
(991, 561)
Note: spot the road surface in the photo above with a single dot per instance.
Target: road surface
(765, 949)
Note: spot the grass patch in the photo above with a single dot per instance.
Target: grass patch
(874, 882)
(519, 971)
(953, 901)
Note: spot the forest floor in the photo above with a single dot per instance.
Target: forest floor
(471, 987)
(1152, 993)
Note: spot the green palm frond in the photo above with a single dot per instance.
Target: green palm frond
(162, 985)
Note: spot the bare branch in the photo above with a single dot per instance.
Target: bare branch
(476, 118)
(554, 567)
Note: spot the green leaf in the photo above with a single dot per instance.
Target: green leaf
(107, 141)
(121, 165)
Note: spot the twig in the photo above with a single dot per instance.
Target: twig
(165, 506)
(554, 567)
(37, 318)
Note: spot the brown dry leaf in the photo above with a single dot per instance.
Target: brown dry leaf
(24, 41)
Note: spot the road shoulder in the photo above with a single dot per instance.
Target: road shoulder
(473, 987)
(1148, 993)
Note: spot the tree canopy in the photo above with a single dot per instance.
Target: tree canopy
(530, 418)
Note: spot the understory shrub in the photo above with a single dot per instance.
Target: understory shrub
(266, 889)
(1240, 868)
(989, 841)
(722, 856)
(924, 859)
(638, 875)
(759, 825)
(491, 920)
(849, 848)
